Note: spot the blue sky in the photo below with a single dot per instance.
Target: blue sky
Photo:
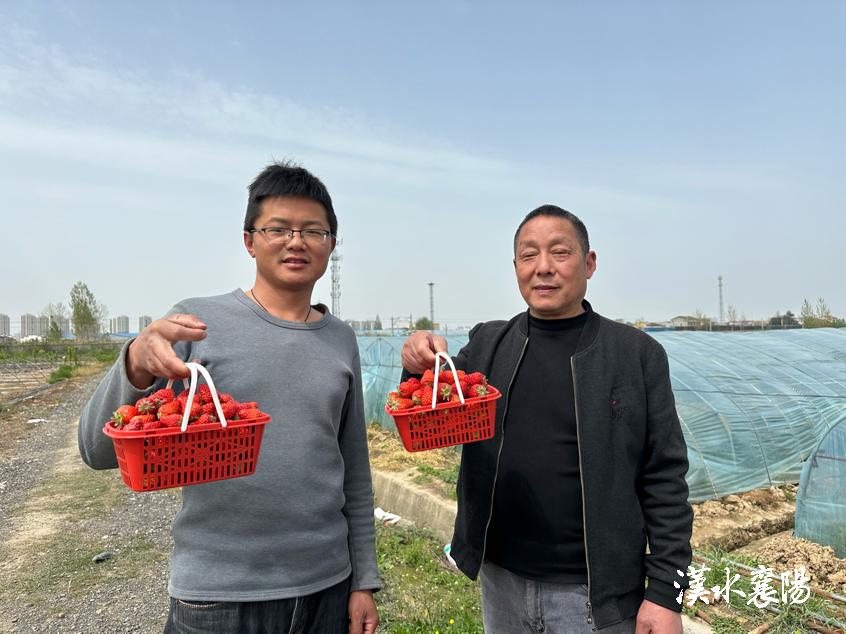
(694, 139)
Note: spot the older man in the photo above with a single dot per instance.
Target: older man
(586, 469)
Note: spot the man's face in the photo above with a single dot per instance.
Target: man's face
(552, 271)
(296, 264)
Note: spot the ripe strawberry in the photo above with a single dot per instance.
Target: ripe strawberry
(208, 408)
(152, 424)
(477, 378)
(406, 388)
(454, 398)
(205, 418)
(444, 392)
(403, 403)
(465, 386)
(248, 405)
(160, 397)
(196, 410)
(123, 415)
(204, 392)
(461, 374)
(223, 397)
(230, 410)
(250, 412)
(145, 405)
(143, 418)
(445, 376)
(477, 390)
(423, 396)
(428, 378)
(391, 401)
(133, 426)
(171, 420)
(170, 408)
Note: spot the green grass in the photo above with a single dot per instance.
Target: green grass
(446, 475)
(724, 625)
(60, 374)
(422, 593)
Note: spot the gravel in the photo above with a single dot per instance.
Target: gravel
(110, 604)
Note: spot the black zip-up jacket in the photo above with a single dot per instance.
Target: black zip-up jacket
(632, 454)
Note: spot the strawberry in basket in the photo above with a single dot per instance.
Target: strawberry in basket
(444, 407)
(418, 392)
(164, 408)
(186, 438)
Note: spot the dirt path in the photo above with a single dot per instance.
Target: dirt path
(56, 515)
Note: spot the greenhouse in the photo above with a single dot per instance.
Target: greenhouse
(821, 503)
(753, 405)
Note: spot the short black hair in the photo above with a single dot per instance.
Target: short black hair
(552, 210)
(282, 178)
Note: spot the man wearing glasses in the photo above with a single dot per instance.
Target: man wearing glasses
(292, 547)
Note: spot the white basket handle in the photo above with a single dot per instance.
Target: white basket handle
(445, 357)
(194, 368)
(186, 384)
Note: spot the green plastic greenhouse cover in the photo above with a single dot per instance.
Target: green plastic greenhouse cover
(752, 405)
(821, 503)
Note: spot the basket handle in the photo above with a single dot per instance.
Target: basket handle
(446, 358)
(196, 368)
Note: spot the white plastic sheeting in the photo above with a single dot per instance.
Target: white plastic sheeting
(752, 405)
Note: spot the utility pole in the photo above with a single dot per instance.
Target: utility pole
(432, 303)
(720, 283)
(336, 283)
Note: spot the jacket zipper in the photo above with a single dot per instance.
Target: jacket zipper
(501, 443)
(582, 484)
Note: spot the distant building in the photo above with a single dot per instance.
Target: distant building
(5, 326)
(34, 326)
(689, 322)
(119, 324)
(143, 322)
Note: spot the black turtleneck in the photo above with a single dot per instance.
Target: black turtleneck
(536, 530)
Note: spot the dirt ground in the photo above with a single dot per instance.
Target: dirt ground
(783, 552)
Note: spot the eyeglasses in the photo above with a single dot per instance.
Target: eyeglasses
(282, 235)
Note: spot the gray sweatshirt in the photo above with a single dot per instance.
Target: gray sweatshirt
(304, 521)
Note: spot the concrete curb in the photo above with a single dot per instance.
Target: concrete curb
(397, 494)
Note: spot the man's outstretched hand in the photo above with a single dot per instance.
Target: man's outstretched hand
(151, 355)
(418, 351)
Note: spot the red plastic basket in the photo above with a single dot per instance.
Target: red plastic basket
(169, 457)
(422, 428)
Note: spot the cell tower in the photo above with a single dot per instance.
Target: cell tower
(720, 281)
(432, 303)
(336, 283)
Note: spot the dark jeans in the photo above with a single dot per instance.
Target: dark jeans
(323, 612)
